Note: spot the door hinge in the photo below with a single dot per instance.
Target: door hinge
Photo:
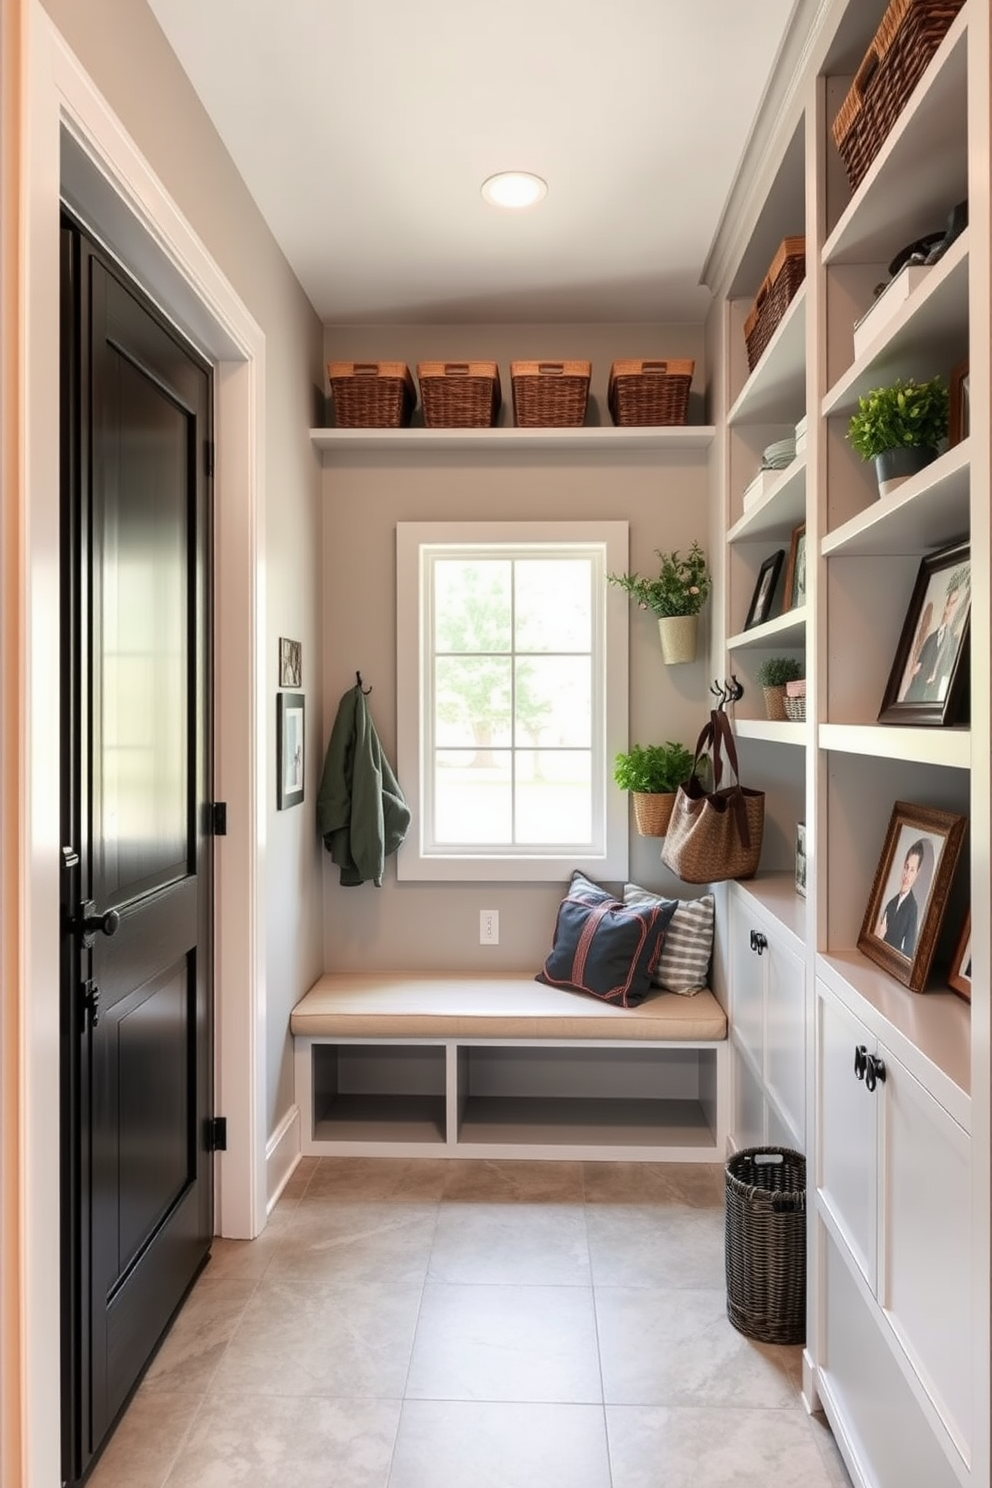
(215, 1134)
(218, 818)
(208, 457)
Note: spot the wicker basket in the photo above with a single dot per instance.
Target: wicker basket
(765, 1234)
(795, 709)
(787, 272)
(900, 52)
(459, 395)
(549, 394)
(371, 395)
(649, 392)
(653, 812)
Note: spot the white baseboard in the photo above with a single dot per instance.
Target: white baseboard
(282, 1153)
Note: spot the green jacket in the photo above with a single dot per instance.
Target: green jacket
(361, 813)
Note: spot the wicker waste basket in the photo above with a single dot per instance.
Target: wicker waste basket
(766, 1244)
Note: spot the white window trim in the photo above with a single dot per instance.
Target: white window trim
(412, 864)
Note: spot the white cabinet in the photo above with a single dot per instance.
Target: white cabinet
(893, 1185)
(767, 1015)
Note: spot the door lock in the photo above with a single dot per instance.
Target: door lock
(88, 924)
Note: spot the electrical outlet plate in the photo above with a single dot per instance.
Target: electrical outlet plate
(489, 927)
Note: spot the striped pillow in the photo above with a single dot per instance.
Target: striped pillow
(684, 963)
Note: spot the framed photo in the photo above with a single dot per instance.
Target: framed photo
(801, 858)
(795, 570)
(290, 748)
(959, 424)
(290, 663)
(928, 681)
(764, 590)
(909, 892)
(959, 977)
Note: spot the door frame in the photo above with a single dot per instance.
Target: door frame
(72, 143)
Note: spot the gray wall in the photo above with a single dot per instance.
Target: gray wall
(121, 46)
(662, 496)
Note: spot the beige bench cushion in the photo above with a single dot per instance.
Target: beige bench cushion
(509, 1005)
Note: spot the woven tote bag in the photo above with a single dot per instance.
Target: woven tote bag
(715, 834)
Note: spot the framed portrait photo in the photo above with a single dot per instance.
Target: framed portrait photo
(959, 976)
(290, 748)
(763, 597)
(928, 683)
(909, 892)
(795, 570)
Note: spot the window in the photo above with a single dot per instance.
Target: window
(512, 698)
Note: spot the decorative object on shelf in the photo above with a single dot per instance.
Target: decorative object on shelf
(901, 428)
(765, 1252)
(642, 392)
(652, 773)
(778, 289)
(801, 430)
(959, 417)
(763, 598)
(795, 570)
(801, 858)
(900, 52)
(677, 594)
(459, 395)
(909, 893)
(371, 395)
(290, 748)
(780, 454)
(715, 834)
(928, 681)
(959, 976)
(795, 700)
(889, 298)
(290, 663)
(549, 394)
(773, 674)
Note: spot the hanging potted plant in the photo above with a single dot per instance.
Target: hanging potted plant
(676, 596)
(653, 773)
(901, 428)
(773, 677)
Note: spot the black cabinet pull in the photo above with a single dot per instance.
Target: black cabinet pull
(758, 941)
(875, 1072)
(860, 1061)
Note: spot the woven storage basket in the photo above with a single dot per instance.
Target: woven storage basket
(900, 52)
(649, 392)
(765, 1244)
(653, 812)
(459, 395)
(795, 709)
(549, 394)
(371, 395)
(787, 272)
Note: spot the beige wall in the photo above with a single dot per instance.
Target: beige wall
(662, 496)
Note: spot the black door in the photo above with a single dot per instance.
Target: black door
(137, 882)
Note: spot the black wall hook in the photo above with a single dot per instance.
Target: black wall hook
(727, 691)
(358, 683)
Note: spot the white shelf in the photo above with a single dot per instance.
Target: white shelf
(928, 511)
(775, 392)
(776, 894)
(949, 747)
(928, 334)
(788, 630)
(770, 732)
(782, 507)
(335, 442)
(921, 170)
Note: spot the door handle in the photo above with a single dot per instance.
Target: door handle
(88, 924)
(860, 1061)
(875, 1072)
(758, 941)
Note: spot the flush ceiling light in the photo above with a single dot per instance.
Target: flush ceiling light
(514, 189)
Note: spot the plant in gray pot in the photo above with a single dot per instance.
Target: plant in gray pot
(653, 773)
(901, 428)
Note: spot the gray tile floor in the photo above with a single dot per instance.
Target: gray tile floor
(504, 1325)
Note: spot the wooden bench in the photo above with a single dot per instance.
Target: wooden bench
(502, 1066)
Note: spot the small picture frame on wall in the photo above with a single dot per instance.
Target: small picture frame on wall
(763, 597)
(290, 748)
(801, 858)
(290, 663)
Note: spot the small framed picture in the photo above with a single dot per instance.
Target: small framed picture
(959, 976)
(290, 748)
(795, 570)
(959, 422)
(928, 681)
(763, 597)
(910, 889)
(290, 663)
(801, 858)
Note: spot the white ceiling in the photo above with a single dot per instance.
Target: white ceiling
(364, 130)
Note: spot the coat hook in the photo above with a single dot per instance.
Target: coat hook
(735, 689)
(358, 683)
(719, 691)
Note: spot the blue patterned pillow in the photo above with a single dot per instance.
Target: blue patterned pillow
(605, 947)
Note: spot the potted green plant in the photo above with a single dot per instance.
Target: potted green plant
(652, 773)
(676, 596)
(773, 675)
(901, 428)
